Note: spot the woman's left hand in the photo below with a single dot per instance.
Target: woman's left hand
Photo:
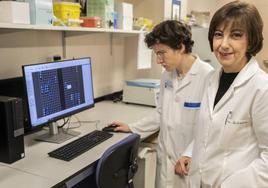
(182, 166)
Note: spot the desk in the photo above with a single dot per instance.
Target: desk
(10, 178)
(37, 169)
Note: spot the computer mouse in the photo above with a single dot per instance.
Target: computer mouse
(110, 128)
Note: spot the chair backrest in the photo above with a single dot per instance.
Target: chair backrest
(118, 164)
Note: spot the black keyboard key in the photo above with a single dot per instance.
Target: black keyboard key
(80, 145)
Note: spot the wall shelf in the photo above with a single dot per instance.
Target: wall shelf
(10, 26)
(67, 31)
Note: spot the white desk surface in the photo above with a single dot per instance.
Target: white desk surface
(37, 169)
(10, 178)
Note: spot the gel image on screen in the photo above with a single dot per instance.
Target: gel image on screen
(58, 89)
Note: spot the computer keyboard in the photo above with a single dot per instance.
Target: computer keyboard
(80, 145)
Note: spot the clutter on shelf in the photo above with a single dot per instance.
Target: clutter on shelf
(67, 14)
(91, 21)
(197, 18)
(141, 23)
(103, 9)
(85, 13)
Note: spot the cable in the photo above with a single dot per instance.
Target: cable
(80, 123)
(64, 122)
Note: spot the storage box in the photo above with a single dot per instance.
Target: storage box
(68, 13)
(41, 11)
(91, 22)
(124, 15)
(141, 91)
(14, 12)
(124, 9)
(125, 23)
(103, 9)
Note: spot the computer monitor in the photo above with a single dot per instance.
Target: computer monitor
(56, 90)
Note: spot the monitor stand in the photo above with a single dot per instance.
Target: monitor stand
(57, 135)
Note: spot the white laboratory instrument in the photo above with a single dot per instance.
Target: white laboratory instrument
(141, 91)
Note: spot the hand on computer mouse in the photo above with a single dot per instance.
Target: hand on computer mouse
(110, 128)
(119, 127)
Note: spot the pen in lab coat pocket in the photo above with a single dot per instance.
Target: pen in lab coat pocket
(229, 116)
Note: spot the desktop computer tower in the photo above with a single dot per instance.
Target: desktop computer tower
(11, 129)
(14, 87)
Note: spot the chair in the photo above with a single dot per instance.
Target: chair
(118, 165)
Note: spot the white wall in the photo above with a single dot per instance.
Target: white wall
(30, 47)
(151, 9)
(107, 59)
(26, 47)
(130, 70)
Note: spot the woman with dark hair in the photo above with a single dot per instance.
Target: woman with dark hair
(181, 91)
(231, 145)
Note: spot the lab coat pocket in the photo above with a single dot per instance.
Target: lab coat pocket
(190, 111)
(188, 122)
(235, 134)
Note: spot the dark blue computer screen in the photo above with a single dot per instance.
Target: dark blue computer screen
(58, 89)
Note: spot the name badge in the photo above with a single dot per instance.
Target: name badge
(168, 84)
(193, 105)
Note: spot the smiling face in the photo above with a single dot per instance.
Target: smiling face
(167, 57)
(235, 34)
(230, 46)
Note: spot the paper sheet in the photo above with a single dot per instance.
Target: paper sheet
(144, 54)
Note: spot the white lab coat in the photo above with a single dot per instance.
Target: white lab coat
(231, 146)
(175, 122)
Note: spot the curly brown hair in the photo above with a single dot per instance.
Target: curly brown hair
(171, 33)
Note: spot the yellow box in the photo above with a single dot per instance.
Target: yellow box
(68, 13)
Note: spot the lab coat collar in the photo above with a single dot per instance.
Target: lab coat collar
(188, 77)
(195, 67)
(246, 73)
(243, 76)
